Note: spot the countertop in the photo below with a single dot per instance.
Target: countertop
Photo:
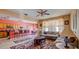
(8, 43)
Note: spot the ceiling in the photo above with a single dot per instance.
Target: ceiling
(32, 13)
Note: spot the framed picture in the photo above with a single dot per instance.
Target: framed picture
(66, 22)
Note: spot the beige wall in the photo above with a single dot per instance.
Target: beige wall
(39, 27)
(67, 29)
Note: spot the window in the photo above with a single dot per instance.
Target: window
(56, 25)
(46, 29)
(57, 29)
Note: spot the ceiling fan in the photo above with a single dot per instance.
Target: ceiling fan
(42, 12)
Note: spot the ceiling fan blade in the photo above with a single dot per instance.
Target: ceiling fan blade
(38, 12)
(46, 13)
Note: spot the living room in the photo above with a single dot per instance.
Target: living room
(39, 29)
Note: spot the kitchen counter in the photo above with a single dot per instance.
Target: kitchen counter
(9, 43)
